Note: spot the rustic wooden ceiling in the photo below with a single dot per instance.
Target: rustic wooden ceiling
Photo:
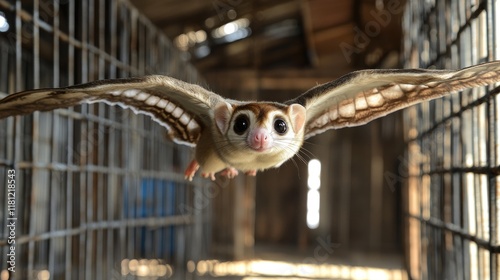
(281, 45)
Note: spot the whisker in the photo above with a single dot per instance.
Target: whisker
(296, 166)
(307, 153)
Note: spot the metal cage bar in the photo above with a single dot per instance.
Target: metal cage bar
(99, 192)
(453, 150)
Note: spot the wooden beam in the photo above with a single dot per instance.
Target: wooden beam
(326, 24)
(273, 80)
(308, 30)
(176, 11)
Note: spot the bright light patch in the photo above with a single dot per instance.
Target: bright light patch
(279, 270)
(238, 35)
(190, 39)
(314, 168)
(231, 28)
(313, 195)
(43, 275)
(313, 201)
(4, 25)
(201, 36)
(313, 182)
(312, 219)
(147, 268)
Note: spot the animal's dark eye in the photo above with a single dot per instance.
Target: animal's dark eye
(241, 124)
(280, 126)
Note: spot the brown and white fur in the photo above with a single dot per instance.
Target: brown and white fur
(260, 146)
(232, 135)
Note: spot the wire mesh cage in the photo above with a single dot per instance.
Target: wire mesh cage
(95, 191)
(453, 154)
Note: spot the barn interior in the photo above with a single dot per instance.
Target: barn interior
(100, 190)
(263, 50)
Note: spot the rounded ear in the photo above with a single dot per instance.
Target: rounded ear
(222, 116)
(297, 114)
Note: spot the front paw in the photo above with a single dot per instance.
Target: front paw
(229, 172)
(191, 170)
(210, 175)
(251, 172)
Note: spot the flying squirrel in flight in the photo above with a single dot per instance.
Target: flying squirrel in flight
(231, 135)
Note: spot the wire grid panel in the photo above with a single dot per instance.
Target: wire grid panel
(98, 190)
(453, 154)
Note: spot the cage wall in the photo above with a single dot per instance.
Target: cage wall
(453, 146)
(94, 191)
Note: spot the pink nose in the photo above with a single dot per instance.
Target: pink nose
(260, 139)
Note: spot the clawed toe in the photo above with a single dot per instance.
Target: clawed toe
(251, 173)
(229, 172)
(210, 175)
(191, 170)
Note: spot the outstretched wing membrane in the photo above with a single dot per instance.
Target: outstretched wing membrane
(362, 96)
(185, 109)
